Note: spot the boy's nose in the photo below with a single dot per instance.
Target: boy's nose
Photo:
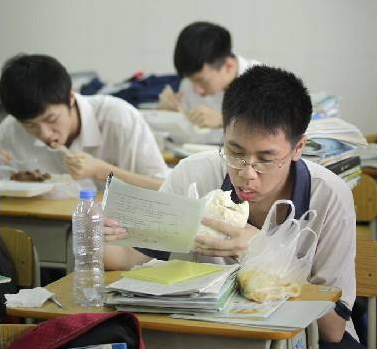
(248, 172)
(45, 132)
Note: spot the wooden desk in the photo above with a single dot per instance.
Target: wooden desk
(48, 223)
(155, 325)
(37, 207)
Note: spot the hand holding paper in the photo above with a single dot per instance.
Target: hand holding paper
(113, 231)
(155, 220)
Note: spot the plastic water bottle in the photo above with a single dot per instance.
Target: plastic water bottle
(88, 249)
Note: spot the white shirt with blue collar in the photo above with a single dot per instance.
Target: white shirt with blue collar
(315, 188)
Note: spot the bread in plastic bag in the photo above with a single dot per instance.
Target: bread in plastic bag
(279, 258)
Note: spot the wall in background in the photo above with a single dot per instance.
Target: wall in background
(330, 44)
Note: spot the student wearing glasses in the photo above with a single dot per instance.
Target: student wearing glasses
(266, 112)
(203, 57)
(95, 134)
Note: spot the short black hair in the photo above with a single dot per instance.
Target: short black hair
(30, 83)
(200, 43)
(271, 99)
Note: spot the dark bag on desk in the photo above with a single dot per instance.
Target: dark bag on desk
(82, 330)
(137, 89)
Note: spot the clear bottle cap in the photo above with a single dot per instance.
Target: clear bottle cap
(87, 194)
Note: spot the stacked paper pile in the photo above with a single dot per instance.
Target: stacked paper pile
(333, 142)
(205, 292)
(174, 287)
(368, 156)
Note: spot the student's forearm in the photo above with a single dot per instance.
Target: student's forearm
(128, 177)
(331, 327)
(122, 258)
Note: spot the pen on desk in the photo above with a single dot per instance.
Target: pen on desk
(53, 299)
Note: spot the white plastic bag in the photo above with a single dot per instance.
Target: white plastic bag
(279, 258)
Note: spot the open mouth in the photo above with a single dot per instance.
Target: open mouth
(53, 144)
(245, 194)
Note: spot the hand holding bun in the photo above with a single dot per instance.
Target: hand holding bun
(219, 206)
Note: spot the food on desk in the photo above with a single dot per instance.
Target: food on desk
(262, 287)
(30, 176)
(220, 206)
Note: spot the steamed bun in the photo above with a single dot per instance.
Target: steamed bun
(220, 206)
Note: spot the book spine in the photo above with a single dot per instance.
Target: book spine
(344, 165)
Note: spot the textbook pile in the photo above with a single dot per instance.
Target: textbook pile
(174, 287)
(207, 292)
(333, 143)
(368, 157)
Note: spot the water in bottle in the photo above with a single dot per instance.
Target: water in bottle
(88, 249)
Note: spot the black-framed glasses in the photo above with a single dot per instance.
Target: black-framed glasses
(258, 166)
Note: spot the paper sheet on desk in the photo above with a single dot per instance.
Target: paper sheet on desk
(154, 220)
(291, 314)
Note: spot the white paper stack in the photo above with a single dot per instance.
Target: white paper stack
(207, 293)
(333, 143)
(335, 128)
(368, 155)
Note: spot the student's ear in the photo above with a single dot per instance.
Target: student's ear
(72, 99)
(299, 148)
(229, 64)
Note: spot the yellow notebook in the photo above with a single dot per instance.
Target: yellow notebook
(172, 272)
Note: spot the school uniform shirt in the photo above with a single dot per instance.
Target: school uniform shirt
(111, 130)
(190, 99)
(315, 188)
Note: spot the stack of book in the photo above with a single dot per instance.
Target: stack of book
(207, 292)
(174, 287)
(368, 156)
(333, 143)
